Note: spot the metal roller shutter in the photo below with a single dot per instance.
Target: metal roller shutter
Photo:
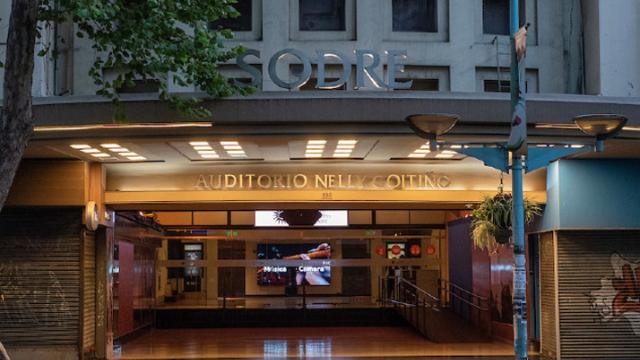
(88, 291)
(548, 343)
(587, 263)
(40, 276)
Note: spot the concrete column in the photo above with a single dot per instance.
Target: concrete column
(462, 72)
(275, 36)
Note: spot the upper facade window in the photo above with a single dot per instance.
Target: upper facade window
(325, 20)
(415, 15)
(241, 23)
(495, 17)
(322, 15)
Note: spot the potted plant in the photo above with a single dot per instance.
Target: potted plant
(491, 222)
(298, 217)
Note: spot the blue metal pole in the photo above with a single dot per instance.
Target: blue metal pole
(520, 337)
(519, 270)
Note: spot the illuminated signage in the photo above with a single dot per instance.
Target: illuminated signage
(242, 181)
(368, 66)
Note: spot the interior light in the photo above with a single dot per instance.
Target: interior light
(342, 155)
(80, 146)
(231, 152)
(347, 142)
(313, 155)
(456, 146)
(101, 155)
(90, 151)
(345, 147)
(232, 147)
(227, 143)
(199, 143)
(445, 156)
(129, 154)
(314, 150)
(119, 150)
(344, 151)
(202, 147)
(207, 152)
(209, 156)
(110, 146)
(422, 151)
(417, 155)
(137, 158)
(310, 146)
(577, 146)
(317, 142)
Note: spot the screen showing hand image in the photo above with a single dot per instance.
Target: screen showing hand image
(277, 275)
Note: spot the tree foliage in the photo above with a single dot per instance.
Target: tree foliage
(164, 40)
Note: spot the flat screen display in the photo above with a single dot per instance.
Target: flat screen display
(278, 275)
(404, 249)
(268, 218)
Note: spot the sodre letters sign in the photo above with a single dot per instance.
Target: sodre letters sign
(366, 63)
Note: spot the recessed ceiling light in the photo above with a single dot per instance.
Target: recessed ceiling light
(345, 147)
(422, 151)
(314, 150)
(349, 151)
(80, 146)
(449, 152)
(137, 158)
(232, 147)
(445, 156)
(210, 156)
(129, 154)
(311, 146)
(456, 146)
(119, 150)
(577, 146)
(230, 152)
(199, 143)
(101, 155)
(342, 155)
(202, 147)
(90, 151)
(207, 152)
(347, 142)
(317, 142)
(417, 155)
(313, 155)
(425, 146)
(229, 143)
(110, 146)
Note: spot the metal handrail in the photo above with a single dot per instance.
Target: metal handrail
(422, 291)
(449, 285)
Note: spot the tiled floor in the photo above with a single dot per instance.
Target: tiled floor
(280, 343)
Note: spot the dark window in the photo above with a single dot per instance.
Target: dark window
(322, 15)
(240, 23)
(140, 86)
(502, 86)
(356, 281)
(422, 84)
(495, 17)
(415, 15)
(355, 249)
(231, 250)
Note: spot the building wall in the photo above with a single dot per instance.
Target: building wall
(591, 195)
(611, 56)
(460, 55)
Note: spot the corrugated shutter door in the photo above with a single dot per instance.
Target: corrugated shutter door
(89, 292)
(548, 341)
(585, 271)
(40, 276)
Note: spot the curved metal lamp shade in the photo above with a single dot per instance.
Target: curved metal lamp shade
(601, 126)
(430, 126)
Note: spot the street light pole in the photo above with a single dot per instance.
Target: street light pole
(518, 118)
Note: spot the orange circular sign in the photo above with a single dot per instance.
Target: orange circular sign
(380, 250)
(414, 250)
(431, 250)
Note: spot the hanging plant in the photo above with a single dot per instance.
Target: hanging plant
(492, 220)
(298, 217)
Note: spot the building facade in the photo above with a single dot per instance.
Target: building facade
(110, 226)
